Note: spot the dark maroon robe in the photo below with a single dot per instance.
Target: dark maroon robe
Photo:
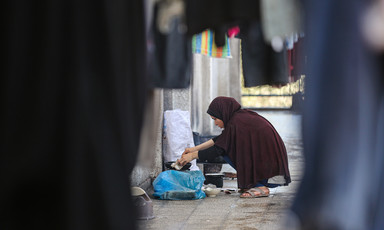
(251, 142)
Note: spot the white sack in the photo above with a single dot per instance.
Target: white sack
(177, 135)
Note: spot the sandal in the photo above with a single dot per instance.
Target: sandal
(252, 191)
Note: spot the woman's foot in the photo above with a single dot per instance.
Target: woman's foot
(255, 192)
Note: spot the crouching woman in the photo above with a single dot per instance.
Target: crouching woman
(249, 143)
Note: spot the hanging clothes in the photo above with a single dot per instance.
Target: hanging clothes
(215, 14)
(170, 55)
(261, 64)
(280, 18)
(218, 15)
(204, 43)
(233, 31)
(299, 60)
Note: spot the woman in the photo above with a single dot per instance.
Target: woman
(249, 143)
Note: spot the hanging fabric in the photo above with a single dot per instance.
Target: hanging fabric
(204, 43)
(233, 31)
(261, 64)
(280, 18)
(170, 56)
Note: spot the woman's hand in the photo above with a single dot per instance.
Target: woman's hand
(188, 150)
(187, 157)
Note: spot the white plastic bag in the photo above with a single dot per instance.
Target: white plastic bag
(177, 135)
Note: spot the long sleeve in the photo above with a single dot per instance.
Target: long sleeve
(210, 153)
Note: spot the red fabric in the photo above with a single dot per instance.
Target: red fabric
(251, 142)
(232, 32)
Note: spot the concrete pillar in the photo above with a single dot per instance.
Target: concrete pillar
(177, 99)
(149, 163)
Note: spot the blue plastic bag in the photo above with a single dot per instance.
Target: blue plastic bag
(179, 185)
